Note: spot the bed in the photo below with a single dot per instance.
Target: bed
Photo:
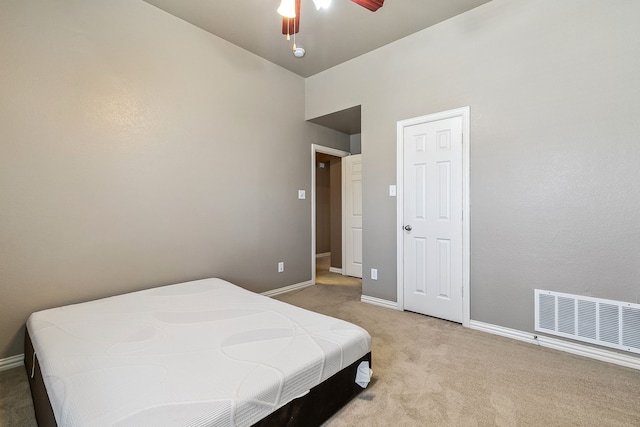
(200, 353)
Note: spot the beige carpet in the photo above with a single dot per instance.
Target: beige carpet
(16, 408)
(432, 372)
(325, 277)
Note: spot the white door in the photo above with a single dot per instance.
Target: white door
(352, 176)
(432, 218)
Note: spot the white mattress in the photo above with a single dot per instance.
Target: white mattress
(201, 353)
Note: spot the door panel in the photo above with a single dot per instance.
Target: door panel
(432, 215)
(352, 173)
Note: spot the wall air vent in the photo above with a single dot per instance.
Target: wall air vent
(598, 321)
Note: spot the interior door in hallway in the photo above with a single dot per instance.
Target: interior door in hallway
(352, 175)
(432, 218)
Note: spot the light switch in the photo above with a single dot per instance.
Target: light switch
(374, 274)
(392, 190)
(301, 194)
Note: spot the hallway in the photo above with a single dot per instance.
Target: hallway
(325, 277)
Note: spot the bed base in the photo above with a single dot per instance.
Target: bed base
(41, 403)
(312, 409)
(321, 402)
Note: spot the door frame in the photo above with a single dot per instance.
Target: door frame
(315, 148)
(464, 113)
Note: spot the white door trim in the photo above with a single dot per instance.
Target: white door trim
(315, 148)
(464, 113)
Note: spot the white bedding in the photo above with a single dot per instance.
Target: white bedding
(201, 353)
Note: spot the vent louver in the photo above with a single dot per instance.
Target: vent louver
(598, 321)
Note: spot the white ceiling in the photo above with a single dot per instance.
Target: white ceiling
(330, 37)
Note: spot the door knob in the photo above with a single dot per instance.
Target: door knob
(407, 227)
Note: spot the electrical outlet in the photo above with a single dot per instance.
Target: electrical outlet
(374, 274)
(302, 194)
(280, 266)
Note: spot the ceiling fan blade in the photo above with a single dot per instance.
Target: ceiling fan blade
(292, 25)
(372, 5)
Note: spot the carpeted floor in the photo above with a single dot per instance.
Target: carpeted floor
(16, 408)
(432, 372)
(325, 277)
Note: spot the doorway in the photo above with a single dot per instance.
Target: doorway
(322, 237)
(338, 228)
(433, 215)
(328, 214)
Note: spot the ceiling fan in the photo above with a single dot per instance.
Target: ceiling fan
(290, 11)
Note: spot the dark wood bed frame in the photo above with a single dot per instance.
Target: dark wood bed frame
(312, 409)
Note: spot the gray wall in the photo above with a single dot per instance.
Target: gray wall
(137, 150)
(355, 143)
(323, 205)
(554, 91)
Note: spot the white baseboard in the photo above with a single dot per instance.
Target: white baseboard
(335, 270)
(11, 362)
(322, 255)
(286, 289)
(379, 302)
(557, 344)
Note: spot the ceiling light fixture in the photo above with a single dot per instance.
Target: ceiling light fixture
(290, 22)
(290, 11)
(287, 8)
(291, 25)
